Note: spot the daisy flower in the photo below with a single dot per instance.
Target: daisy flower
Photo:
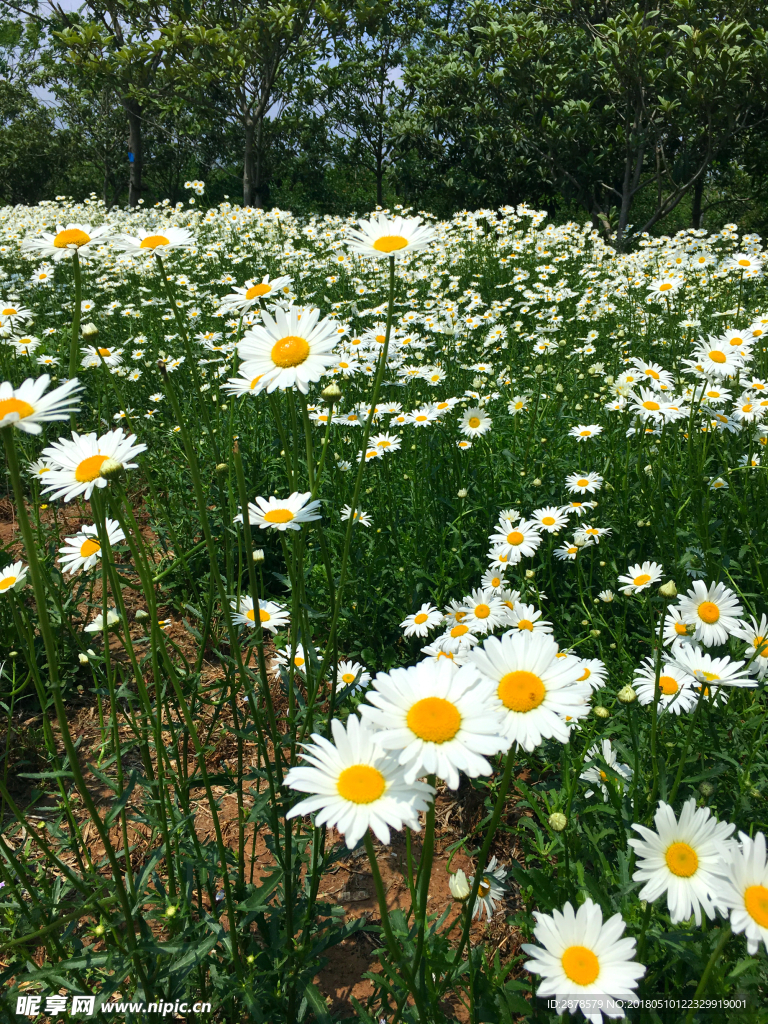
(527, 617)
(676, 693)
(95, 356)
(475, 422)
(682, 858)
(593, 673)
(597, 774)
(567, 552)
(518, 541)
(491, 889)
(638, 577)
(288, 514)
(149, 243)
(532, 685)
(715, 611)
(27, 406)
(352, 675)
(665, 287)
(550, 519)
(97, 626)
(756, 637)
(382, 236)
(11, 575)
(485, 611)
(422, 621)
(582, 956)
(676, 627)
(583, 431)
(438, 652)
(291, 350)
(355, 785)
(577, 508)
(439, 721)
(385, 442)
(271, 615)
(744, 889)
(492, 580)
(458, 639)
(74, 238)
(84, 549)
(594, 533)
(706, 669)
(76, 465)
(718, 358)
(242, 299)
(359, 516)
(246, 384)
(583, 483)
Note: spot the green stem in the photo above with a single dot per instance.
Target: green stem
(74, 343)
(725, 934)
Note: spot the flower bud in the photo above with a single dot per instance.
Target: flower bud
(331, 393)
(258, 555)
(601, 712)
(530, 573)
(706, 788)
(668, 589)
(222, 469)
(110, 469)
(142, 615)
(462, 493)
(89, 330)
(627, 695)
(82, 658)
(459, 886)
(557, 821)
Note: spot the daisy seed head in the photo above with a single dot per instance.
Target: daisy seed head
(557, 821)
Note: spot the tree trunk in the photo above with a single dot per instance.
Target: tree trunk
(379, 178)
(135, 150)
(248, 175)
(698, 195)
(257, 199)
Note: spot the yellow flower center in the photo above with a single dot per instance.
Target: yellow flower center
(255, 381)
(745, 263)
(585, 433)
(434, 719)
(709, 612)
(681, 629)
(380, 338)
(651, 406)
(496, 581)
(7, 582)
(521, 690)
(747, 408)
(483, 889)
(89, 468)
(72, 236)
(361, 784)
(390, 243)
(459, 630)
(665, 286)
(585, 674)
(652, 373)
(420, 618)
(682, 860)
(525, 624)
(474, 422)
(104, 352)
(757, 643)
(278, 515)
(257, 290)
(582, 483)
(9, 405)
(459, 616)
(515, 537)
(89, 547)
(548, 520)
(290, 351)
(9, 311)
(642, 579)
(153, 241)
(717, 357)
(756, 904)
(668, 685)
(580, 965)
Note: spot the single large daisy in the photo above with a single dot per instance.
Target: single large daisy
(76, 465)
(288, 514)
(84, 549)
(475, 422)
(527, 617)
(351, 675)
(159, 241)
(583, 431)
(355, 785)
(708, 670)
(485, 611)
(583, 483)
(439, 721)
(271, 615)
(551, 519)
(639, 577)
(252, 292)
(12, 575)
(715, 611)
(682, 858)
(422, 621)
(581, 957)
(383, 236)
(517, 541)
(27, 406)
(676, 691)
(291, 350)
(66, 241)
(744, 889)
(532, 686)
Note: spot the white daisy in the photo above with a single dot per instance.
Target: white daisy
(95, 356)
(252, 292)
(288, 514)
(271, 615)
(714, 610)
(441, 722)
(527, 617)
(97, 625)
(676, 692)
(161, 242)
(84, 549)
(475, 422)
(756, 637)
(76, 465)
(676, 628)
(583, 483)
(382, 236)
(74, 238)
(518, 541)
(351, 675)
(706, 669)
(683, 859)
(639, 577)
(27, 406)
(491, 889)
(422, 621)
(584, 431)
(291, 350)
(744, 889)
(550, 519)
(11, 576)
(600, 776)
(532, 685)
(355, 785)
(485, 611)
(583, 956)
(593, 673)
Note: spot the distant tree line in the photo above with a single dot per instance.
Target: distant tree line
(641, 117)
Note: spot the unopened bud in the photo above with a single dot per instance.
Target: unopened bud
(142, 615)
(601, 712)
(110, 469)
(459, 886)
(668, 589)
(627, 695)
(222, 469)
(462, 493)
(706, 789)
(530, 573)
(557, 821)
(89, 330)
(82, 658)
(331, 393)
(258, 555)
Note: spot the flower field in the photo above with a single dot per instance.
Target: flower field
(435, 548)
